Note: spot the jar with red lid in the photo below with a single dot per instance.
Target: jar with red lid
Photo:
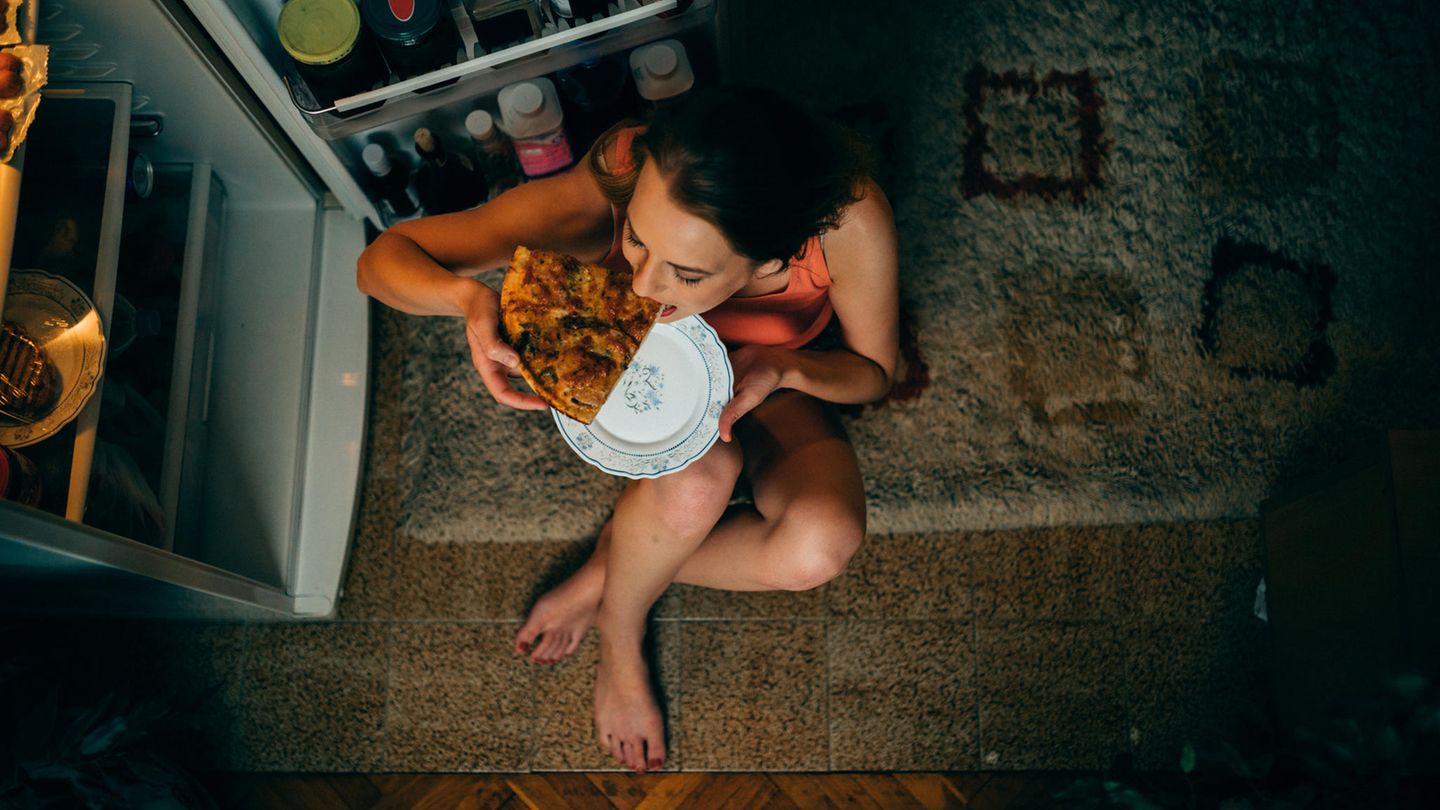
(415, 36)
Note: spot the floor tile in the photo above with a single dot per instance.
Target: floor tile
(1193, 682)
(1192, 571)
(458, 701)
(314, 697)
(903, 696)
(367, 593)
(707, 603)
(196, 671)
(906, 576)
(1060, 574)
(565, 705)
(458, 581)
(754, 695)
(1052, 696)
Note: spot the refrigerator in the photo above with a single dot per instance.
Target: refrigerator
(181, 177)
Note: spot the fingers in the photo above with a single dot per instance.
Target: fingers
(743, 402)
(494, 374)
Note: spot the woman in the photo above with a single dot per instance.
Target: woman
(737, 204)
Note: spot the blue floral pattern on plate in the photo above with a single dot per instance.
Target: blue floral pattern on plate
(685, 391)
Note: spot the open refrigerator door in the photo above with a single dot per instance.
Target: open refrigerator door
(190, 285)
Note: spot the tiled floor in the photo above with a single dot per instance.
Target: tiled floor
(1063, 648)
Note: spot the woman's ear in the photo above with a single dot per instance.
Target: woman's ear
(770, 268)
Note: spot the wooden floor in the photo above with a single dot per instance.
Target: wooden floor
(621, 791)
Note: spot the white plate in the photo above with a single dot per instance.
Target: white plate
(61, 320)
(665, 411)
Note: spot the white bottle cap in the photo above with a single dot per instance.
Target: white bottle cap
(480, 124)
(661, 69)
(376, 160)
(661, 61)
(527, 99)
(529, 108)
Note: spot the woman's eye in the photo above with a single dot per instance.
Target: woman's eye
(630, 237)
(683, 280)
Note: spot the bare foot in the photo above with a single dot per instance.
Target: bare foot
(561, 617)
(627, 718)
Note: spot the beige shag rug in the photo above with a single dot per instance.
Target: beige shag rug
(1157, 256)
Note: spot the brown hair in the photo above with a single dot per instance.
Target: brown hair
(765, 171)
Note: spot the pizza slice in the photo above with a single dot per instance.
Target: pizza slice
(576, 327)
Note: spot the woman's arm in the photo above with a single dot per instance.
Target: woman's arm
(418, 266)
(863, 257)
(423, 266)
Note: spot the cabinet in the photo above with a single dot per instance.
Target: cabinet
(1353, 576)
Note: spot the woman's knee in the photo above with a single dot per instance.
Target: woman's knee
(810, 550)
(693, 499)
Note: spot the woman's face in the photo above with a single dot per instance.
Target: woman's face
(679, 259)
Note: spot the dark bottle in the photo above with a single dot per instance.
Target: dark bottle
(445, 182)
(598, 92)
(415, 36)
(330, 49)
(494, 153)
(391, 181)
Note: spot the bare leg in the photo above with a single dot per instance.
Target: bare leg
(807, 489)
(737, 555)
(657, 524)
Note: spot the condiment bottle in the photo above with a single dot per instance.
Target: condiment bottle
(530, 113)
(392, 182)
(494, 152)
(415, 36)
(445, 182)
(330, 49)
(662, 70)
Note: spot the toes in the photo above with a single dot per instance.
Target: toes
(525, 640)
(615, 750)
(545, 652)
(635, 754)
(573, 646)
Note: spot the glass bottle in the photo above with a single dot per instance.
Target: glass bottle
(494, 152)
(391, 181)
(445, 182)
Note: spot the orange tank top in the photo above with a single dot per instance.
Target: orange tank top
(789, 318)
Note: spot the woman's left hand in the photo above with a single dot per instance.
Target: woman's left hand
(757, 375)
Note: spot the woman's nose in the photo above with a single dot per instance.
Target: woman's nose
(645, 277)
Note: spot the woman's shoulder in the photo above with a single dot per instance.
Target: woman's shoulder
(866, 226)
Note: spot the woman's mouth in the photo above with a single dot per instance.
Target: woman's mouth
(666, 311)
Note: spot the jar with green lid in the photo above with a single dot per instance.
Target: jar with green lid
(331, 50)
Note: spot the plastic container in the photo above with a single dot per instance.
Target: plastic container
(330, 49)
(415, 36)
(662, 70)
(530, 113)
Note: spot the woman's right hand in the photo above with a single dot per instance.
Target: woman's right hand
(492, 357)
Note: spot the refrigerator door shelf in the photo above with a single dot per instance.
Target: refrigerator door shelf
(484, 74)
